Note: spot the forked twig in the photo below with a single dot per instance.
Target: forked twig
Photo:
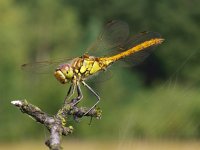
(56, 124)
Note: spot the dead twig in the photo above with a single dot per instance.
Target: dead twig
(56, 124)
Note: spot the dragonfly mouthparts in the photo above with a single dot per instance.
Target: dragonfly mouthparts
(60, 76)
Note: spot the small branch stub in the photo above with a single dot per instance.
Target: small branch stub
(56, 124)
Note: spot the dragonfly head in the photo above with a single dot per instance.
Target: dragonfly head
(64, 73)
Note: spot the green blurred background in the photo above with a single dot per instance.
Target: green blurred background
(158, 99)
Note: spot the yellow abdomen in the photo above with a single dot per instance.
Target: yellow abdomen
(137, 48)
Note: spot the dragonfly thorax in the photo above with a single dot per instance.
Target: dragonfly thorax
(64, 73)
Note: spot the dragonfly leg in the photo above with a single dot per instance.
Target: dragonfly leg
(80, 95)
(70, 92)
(97, 96)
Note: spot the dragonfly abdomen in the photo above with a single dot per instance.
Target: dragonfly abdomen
(142, 46)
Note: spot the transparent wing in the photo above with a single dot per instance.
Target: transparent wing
(101, 77)
(44, 67)
(140, 56)
(114, 34)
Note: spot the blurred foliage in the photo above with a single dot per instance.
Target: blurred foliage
(33, 30)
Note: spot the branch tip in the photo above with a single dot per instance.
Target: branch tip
(17, 103)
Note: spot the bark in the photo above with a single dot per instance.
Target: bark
(56, 124)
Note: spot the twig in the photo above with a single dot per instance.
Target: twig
(56, 124)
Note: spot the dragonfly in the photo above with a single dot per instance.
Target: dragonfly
(115, 40)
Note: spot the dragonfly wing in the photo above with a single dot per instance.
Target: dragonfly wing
(43, 67)
(139, 56)
(101, 77)
(114, 34)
